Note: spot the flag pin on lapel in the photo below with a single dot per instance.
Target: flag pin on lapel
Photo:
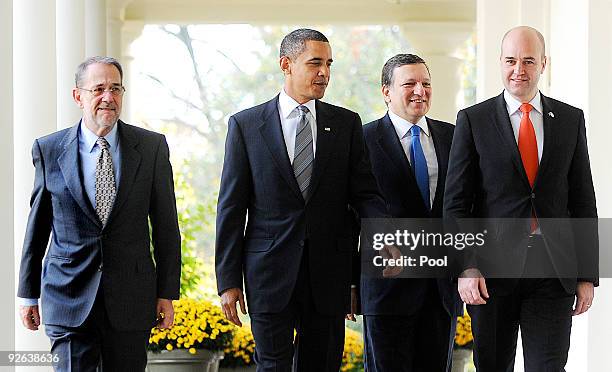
(550, 113)
(327, 129)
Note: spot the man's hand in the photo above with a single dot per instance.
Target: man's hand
(228, 304)
(391, 251)
(472, 287)
(30, 317)
(165, 313)
(354, 301)
(584, 297)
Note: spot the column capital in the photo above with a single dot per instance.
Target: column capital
(118, 4)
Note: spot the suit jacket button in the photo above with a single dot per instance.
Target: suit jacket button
(532, 195)
(301, 243)
(100, 267)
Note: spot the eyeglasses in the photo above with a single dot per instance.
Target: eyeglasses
(98, 91)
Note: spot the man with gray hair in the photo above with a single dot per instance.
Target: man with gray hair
(98, 186)
(409, 323)
(293, 164)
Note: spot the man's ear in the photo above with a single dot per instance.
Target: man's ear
(544, 60)
(385, 93)
(285, 65)
(76, 95)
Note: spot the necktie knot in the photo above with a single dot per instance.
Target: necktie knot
(526, 108)
(415, 131)
(103, 143)
(303, 109)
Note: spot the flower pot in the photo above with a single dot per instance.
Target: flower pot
(238, 369)
(183, 361)
(462, 358)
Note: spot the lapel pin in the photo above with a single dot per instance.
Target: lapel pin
(550, 113)
(327, 129)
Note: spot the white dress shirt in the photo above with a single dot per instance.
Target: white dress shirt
(402, 128)
(290, 118)
(536, 115)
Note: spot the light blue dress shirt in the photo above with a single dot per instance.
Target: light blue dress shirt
(89, 152)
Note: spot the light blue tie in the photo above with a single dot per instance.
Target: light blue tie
(419, 164)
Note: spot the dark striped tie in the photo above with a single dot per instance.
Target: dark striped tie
(303, 155)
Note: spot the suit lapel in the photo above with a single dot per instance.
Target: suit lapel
(70, 165)
(503, 125)
(390, 144)
(442, 148)
(326, 134)
(130, 161)
(550, 135)
(272, 135)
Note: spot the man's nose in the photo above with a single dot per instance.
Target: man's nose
(324, 71)
(518, 68)
(419, 89)
(107, 96)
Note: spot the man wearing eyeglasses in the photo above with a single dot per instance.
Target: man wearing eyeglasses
(97, 186)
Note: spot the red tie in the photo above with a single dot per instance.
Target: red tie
(528, 147)
(527, 144)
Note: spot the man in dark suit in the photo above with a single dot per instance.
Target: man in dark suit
(409, 324)
(293, 164)
(97, 186)
(523, 155)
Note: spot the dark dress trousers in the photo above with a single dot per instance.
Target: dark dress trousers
(486, 179)
(409, 323)
(101, 280)
(294, 255)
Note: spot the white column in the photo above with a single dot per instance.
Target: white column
(599, 63)
(564, 45)
(437, 44)
(7, 312)
(95, 28)
(493, 19)
(113, 34)
(70, 39)
(34, 108)
(130, 32)
(114, 24)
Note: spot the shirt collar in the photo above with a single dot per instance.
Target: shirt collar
(513, 105)
(89, 138)
(287, 105)
(402, 126)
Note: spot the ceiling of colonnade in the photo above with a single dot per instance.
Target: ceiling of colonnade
(297, 11)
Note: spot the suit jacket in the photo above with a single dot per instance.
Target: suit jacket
(486, 179)
(84, 256)
(258, 180)
(399, 188)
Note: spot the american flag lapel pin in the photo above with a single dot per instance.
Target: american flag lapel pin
(551, 114)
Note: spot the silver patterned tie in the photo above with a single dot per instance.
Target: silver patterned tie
(105, 181)
(303, 156)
